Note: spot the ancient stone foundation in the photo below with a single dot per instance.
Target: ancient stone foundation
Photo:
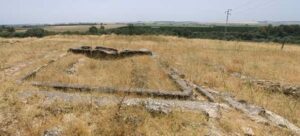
(105, 52)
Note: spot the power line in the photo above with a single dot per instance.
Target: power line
(228, 13)
(248, 7)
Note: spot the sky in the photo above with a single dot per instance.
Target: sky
(72, 11)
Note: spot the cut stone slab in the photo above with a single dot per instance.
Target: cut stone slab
(256, 113)
(105, 52)
(248, 131)
(274, 86)
(259, 114)
(137, 91)
(280, 121)
(73, 68)
(210, 109)
(86, 47)
(105, 48)
(35, 71)
(53, 132)
(127, 53)
(214, 130)
(205, 93)
(156, 107)
(177, 78)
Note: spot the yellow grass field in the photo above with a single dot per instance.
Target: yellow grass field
(80, 28)
(73, 28)
(201, 60)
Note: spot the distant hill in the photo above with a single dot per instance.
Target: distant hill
(280, 22)
(169, 23)
(233, 23)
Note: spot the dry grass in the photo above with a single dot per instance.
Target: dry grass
(135, 72)
(35, 116)
(73, 28)
(30, 118)
(198, 60)
(234, 122)
(201, 60)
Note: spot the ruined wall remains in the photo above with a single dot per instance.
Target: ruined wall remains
(105, 52)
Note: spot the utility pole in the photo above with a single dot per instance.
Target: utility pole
(283, 43)
(228, 13)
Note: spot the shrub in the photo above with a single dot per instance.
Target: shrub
(102, 27)
(93, 30)
(36, 32)
(11, 30)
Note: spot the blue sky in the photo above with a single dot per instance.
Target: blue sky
(64, 11)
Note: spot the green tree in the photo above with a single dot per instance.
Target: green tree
(36, 32)
(102, 26)
(93, 30)
(11, 30)
(131, 29)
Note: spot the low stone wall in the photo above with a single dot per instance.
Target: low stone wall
(35, 71)
(278, 87)
(104, 52)
(287, 89)
(152, 105)
(255, 113)
(101, 89)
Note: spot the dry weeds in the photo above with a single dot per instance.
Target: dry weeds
(197, 58)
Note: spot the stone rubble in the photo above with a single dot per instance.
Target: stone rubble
(101, 89)
(53, 132)
(287, 89)
(73, 68)
(35, 71)
(151, 104)
(248, 131)
(256, 113)
(105, 52)
(259, 114)
(166, 106)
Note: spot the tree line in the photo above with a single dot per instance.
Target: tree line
(287, 33)
(7, 32)
(282, 33)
